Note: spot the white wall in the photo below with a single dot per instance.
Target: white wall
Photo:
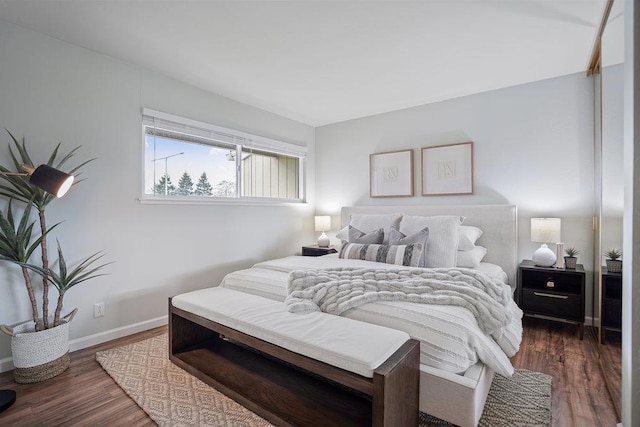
(612, 157)
(533, 147)
(53, 91)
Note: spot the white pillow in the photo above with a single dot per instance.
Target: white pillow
(444, 233)
(343, 234)
(471, 258)
(368, 223)
(468, 237)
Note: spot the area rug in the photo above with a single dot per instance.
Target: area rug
(173, 397)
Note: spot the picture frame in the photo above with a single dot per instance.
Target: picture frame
(391, 174)
(447, 169)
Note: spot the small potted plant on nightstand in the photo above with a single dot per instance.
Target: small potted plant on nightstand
(571, 260)
(614, 263)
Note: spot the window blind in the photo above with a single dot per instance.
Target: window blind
(170, 122)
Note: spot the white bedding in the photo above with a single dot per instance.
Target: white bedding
(450, 337)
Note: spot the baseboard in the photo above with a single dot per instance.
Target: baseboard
(6, 364)
(100, 337)
(588, 321)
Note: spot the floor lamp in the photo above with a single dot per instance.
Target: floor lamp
(57, 183)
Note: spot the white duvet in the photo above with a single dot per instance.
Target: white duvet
(449, 336)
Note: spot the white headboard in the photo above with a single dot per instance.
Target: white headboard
(499, 223)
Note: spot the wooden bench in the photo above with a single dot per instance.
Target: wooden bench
(284, 386)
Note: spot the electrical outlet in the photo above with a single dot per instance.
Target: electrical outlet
(98, 310)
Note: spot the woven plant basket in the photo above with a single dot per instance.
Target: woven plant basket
(38, 356)
(570, 262)
(614, 266)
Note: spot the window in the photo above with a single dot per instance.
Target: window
(185, 159)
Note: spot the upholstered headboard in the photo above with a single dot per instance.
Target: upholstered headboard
(499, 223)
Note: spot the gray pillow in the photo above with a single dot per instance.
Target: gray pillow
(372, 222)
(408, 255)
(357, 236)
(398, 238)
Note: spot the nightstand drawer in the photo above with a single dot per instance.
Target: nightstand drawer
(556, 304)
(612, 313)
(562, 281)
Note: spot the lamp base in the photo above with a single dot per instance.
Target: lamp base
(543, 256)
(7, 398)
(323, 241)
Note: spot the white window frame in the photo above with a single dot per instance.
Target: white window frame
(240, 139)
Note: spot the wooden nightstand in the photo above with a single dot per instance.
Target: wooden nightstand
(611, 305)
(552, 293)
(315, 250)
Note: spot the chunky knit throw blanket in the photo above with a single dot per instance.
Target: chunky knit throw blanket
(337, 290)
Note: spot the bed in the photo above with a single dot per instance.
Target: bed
(458, 360)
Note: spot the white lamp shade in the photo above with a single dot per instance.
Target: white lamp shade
(545, 230)
(323, 223)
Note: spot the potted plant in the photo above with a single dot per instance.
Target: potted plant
(571, 260)
(40, 346)
(614, 263)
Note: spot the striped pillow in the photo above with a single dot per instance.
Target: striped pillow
(408, 255)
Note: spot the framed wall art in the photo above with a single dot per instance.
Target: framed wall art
(391, 174)
(447, 169)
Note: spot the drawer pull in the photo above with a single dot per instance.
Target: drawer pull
(542, 294)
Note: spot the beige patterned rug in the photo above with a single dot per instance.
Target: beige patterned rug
(173, 397)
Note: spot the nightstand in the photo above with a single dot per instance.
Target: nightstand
(611, 305)
(552, 293)
(315, 250)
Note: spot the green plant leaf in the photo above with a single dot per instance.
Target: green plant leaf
(62, 265)
(64, 279)
(16, 242)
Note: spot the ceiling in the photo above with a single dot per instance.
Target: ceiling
(322, 62)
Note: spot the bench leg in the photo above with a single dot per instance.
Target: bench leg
(184, 334)
(396, 388)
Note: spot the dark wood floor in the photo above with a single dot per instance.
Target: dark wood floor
(611, 360)
(579, 394)
(86, 395)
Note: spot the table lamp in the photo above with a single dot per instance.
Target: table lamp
(544, 230)
(323, 223)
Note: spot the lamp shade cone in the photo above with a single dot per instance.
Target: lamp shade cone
(51, 180)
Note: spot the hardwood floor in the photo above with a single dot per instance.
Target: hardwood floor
(579, 395)
(611, 360)
(85, 395)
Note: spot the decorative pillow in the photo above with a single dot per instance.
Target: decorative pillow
(444, 233)
(368, 222)
(471, 258)
(357, 236)
(468, 237)
(343, 234)
(408, 255)
(398, 238)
